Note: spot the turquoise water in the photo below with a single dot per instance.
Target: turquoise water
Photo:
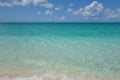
(76, 48)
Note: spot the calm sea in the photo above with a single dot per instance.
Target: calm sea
(59, 51)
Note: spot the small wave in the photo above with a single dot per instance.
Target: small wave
(42, 77)
(56, 76)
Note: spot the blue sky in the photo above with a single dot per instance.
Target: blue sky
(59, 10)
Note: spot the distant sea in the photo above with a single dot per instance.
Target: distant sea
(59, 51)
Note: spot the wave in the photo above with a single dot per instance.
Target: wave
(58, 76)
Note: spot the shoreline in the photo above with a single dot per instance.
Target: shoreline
(55, 76)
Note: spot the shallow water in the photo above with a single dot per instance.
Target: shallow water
(60, 51)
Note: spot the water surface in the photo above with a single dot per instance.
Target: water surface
(60, 51)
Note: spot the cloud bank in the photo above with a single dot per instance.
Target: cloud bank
(96, 11)
(93, 11)
(42, 3)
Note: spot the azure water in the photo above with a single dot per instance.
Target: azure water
(59, 51)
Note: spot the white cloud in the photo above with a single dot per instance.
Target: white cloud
(77, 12)
(62, 18)
(48, 12)
(5, 4)
(90, 10)
(96, 10)
(47, 5)
(43, 3)
(58, 8)
(93, 9)
(38, 2)
(22, 2)
(112, 14)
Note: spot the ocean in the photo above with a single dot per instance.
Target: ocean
(59, 51)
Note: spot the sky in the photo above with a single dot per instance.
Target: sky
(59, 10)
